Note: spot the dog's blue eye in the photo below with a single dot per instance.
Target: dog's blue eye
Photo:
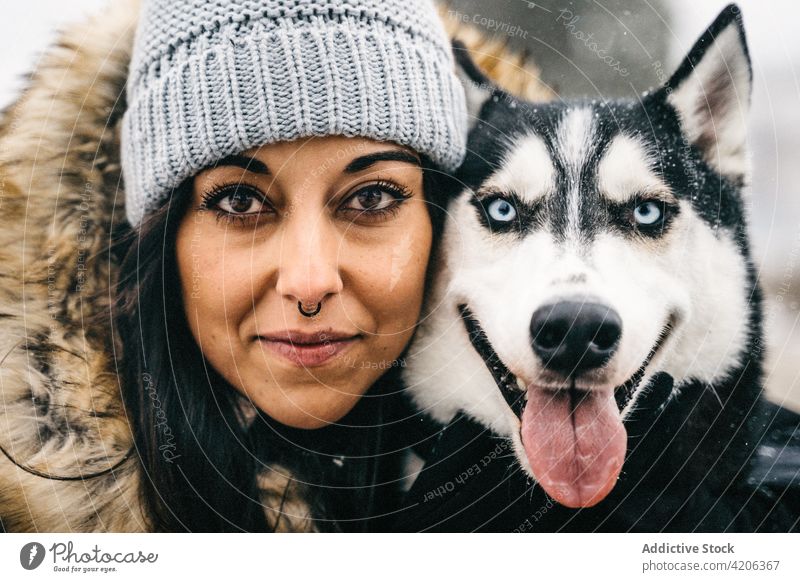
(647, 213)
(501, 210)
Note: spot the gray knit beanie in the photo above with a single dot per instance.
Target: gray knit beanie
(210, 78)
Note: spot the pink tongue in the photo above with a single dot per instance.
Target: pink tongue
(575, 454)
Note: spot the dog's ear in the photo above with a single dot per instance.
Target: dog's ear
(711, 93)
(477, 86)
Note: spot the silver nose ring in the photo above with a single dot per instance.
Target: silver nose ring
(309, 313)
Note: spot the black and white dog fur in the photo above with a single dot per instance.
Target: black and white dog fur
(593, 247)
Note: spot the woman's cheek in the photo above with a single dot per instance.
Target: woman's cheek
(399, 293)
(209, 277)
(402, 261)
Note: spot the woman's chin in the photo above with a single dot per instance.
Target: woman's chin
(307, 407)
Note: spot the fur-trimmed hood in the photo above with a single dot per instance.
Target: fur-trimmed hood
(62, 200)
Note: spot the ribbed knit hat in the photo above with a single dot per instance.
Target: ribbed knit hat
(211, 78)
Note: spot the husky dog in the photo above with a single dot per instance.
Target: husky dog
(595, 246)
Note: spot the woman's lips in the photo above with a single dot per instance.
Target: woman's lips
(308, 355)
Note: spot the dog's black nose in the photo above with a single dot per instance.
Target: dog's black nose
(572, 337)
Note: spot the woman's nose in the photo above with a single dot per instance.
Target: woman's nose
(309, 260)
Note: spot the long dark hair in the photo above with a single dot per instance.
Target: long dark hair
(200, 461)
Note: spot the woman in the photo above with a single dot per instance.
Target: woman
(277, 152)
(147, 381)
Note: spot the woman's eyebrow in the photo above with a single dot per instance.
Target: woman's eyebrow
(244, 162)
(366, 161)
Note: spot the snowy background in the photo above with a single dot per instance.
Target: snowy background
(637, 33)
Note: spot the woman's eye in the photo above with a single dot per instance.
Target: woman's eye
(501, 210)
(241, 200)
(648, 213)
(377, 198)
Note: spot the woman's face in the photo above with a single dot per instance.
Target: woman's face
(332, 219)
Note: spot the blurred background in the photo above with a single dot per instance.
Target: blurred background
(606, 48)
